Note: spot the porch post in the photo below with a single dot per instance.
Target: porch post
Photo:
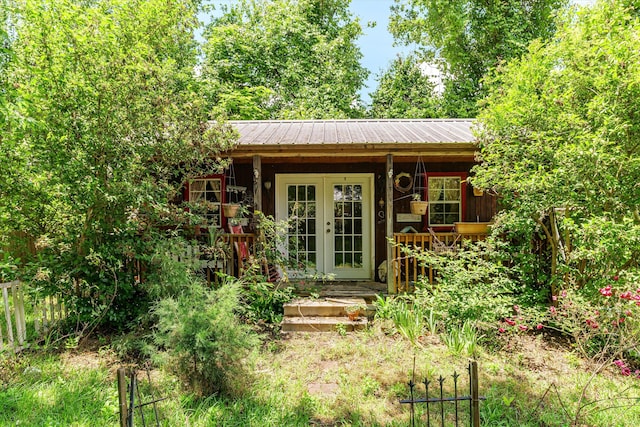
(257, 183)
(389, 224)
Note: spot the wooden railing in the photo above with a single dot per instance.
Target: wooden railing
(242, 247)
(47, 312)
(406, 270)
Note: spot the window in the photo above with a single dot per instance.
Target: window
(445, 193)
(207, 192)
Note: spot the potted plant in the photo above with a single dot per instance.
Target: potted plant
(418, 206)
(354, 311)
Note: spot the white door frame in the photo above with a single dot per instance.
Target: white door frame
(324, 232)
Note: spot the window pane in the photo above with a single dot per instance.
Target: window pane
(348, 209)
(357, 260)
(357, 210)
(302, 192)
(357, 192)
(348, 244)
(358, 226)
(444, 200)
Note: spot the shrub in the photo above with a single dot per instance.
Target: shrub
(207, 342)
(470, 285)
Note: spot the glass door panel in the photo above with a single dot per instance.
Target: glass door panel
(347, 203)
(301, 212)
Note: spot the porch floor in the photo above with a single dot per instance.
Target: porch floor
(368, 290)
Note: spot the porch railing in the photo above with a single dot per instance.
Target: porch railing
(406, 269)
(242, 247)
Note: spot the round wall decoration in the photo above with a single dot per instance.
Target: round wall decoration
(400, 186)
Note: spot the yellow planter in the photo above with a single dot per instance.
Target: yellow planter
(419, 207)
(472, 227)
(230, 210)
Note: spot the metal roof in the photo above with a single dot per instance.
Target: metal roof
(332, 132)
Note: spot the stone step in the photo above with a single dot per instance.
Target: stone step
(325, 307)
(322, 324)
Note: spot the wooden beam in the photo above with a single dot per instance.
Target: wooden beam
(257, 183)
(389, 223)
(244, 158)
(332, 151)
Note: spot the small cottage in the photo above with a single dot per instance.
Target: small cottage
(348, 187)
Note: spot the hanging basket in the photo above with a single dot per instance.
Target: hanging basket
(230, 209)
(419, 207)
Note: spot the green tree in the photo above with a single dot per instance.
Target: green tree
(284, 59)
(110, 124)
(469, 38)
(559, 142)
(405, 91)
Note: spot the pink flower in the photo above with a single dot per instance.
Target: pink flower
(626, 295)
(523, 327)
(554, 298)
(619, 363)
(552, 310)
(564, 294)
(625, 371)
(606, 291)
(516, 309)
(616, 278)
(501, 330)
(510, 322)
(539, 326)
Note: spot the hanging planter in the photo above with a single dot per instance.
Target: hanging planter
(419, 207)
(230, 209)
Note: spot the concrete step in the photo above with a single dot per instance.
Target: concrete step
(322, 324)
(324, 307)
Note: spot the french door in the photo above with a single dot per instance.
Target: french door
(331, 229)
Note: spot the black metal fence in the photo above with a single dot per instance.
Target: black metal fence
(440, 410)
(131, 399)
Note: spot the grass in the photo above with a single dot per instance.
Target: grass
(323, 380)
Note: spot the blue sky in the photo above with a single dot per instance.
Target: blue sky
(377, 43)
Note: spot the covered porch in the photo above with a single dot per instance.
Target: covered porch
(405, 271)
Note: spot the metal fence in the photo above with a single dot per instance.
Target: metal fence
(132, 400)
(440, 410)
